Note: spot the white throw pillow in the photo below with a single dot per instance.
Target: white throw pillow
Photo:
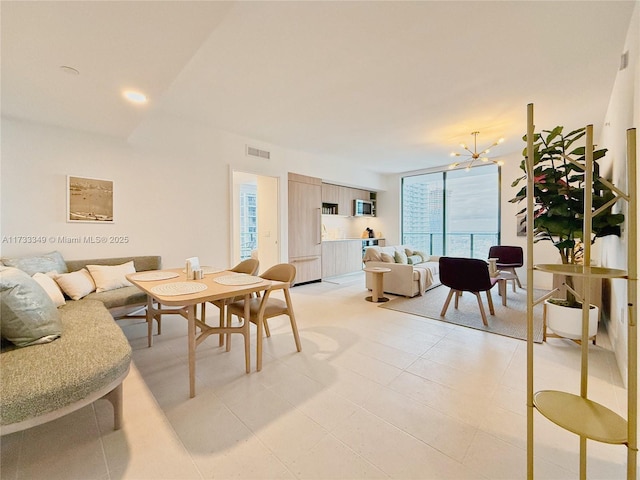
(110, 277)
(51, 287)
(76, 284)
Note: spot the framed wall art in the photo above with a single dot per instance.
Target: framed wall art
(89, 200)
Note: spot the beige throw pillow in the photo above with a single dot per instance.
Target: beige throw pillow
(76, 284)
(51, 287)
(110, 277)
(387, 258)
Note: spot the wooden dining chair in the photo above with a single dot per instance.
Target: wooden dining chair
(261, 309)
(466, 275)
(249, 266)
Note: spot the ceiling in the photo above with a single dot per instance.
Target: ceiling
(393, 85)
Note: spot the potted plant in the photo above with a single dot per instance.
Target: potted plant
(559, 191)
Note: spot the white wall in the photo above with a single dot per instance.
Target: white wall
(171, 187)
(623, 113)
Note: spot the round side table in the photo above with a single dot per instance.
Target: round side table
(377, 292)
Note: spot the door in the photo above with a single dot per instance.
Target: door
(255, 207)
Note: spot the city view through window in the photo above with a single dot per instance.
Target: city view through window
(248, 220)
(454, 213)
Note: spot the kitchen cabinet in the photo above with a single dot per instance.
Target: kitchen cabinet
(305, 224)
(340, 257)
(338, 200)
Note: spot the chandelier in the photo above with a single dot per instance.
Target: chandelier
(474, 156)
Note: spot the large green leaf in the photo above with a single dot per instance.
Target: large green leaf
(559, 191)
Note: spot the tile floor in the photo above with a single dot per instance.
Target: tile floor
(374, 394)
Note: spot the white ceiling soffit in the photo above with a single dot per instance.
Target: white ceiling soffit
(394, 85)
(141, 45)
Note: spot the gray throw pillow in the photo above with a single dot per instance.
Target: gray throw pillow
(400, 257)
(47, 262)
(27, 314)
(414, 259)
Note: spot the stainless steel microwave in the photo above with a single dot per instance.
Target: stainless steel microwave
(362, 208)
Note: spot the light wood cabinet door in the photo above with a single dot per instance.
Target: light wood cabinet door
(345, 205)
(341, 257)
(330, 193)
(361, 194)
(305, 223)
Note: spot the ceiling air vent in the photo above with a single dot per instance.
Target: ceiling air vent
(256, 152)
(624, 60)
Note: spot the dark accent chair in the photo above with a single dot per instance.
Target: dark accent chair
(466, 275)
(509, 258)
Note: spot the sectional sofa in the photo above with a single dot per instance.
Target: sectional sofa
(88, 361)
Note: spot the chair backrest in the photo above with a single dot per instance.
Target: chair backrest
(507, 255)
(465, 274)
(249, 266)
(283, 272)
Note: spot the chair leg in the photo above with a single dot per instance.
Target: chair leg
(490, 301)
(447, 301)
(267, 332)
(292, 319)
(458, 295)
(296, 337)
(517, 280)
(484, 316)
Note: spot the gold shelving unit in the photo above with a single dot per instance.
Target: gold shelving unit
(576, 412)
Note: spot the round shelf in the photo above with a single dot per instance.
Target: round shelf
(581, 270)
(581, 416)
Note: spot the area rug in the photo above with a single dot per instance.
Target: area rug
(510, 321)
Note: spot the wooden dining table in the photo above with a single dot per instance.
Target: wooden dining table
(165, 293)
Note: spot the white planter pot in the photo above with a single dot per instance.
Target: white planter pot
(567, 322)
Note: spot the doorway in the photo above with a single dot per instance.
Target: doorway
(255, 207)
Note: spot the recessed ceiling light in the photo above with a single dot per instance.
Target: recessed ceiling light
(135, 97)
(69, 70)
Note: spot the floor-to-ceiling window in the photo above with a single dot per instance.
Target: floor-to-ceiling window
(453, 212)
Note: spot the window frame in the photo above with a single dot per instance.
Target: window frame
(444, 172)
